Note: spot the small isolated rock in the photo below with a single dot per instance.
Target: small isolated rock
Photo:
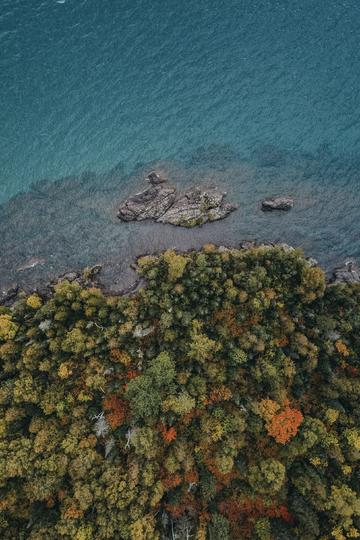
(348, 273)
(155, 178)
(148, 204)
(277, 203)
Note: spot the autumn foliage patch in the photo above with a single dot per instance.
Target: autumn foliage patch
(218, 402)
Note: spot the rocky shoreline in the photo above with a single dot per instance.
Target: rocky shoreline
(72, 223)
(348, 272)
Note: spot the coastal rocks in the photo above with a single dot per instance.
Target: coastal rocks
(247, 244)
(151, 203)
(348, 273)
(8, 296)
(70, 276)
(161, 203)
(155, 178)
(277, 203)
(90, 273)
(197, 206)
(88, 277)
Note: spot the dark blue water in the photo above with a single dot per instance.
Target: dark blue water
(87, 84)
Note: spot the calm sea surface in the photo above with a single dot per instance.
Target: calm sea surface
(259, 96)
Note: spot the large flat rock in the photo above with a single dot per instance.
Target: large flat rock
(160, 202)
(197, 206)
(151, 203)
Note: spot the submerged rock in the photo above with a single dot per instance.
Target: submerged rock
(31, 263)
(277, 203)
(348, 273)
(197, 206)
(155, 178)
(160, 202)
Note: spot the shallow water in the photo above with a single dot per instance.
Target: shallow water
(72, 223)
(261, 97)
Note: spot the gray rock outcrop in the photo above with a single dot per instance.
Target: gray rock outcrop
(161, 203)
(197, 206)
(277, 203)
(156, 178)
(349, 272)
(151, 203)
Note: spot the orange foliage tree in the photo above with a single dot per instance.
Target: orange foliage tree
(284, 425)
(168, 435)
(342, 348)
(172, 481)
(116, 410)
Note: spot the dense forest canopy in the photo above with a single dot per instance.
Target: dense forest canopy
(219, 402)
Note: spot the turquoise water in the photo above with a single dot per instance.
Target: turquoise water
(205, 85)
